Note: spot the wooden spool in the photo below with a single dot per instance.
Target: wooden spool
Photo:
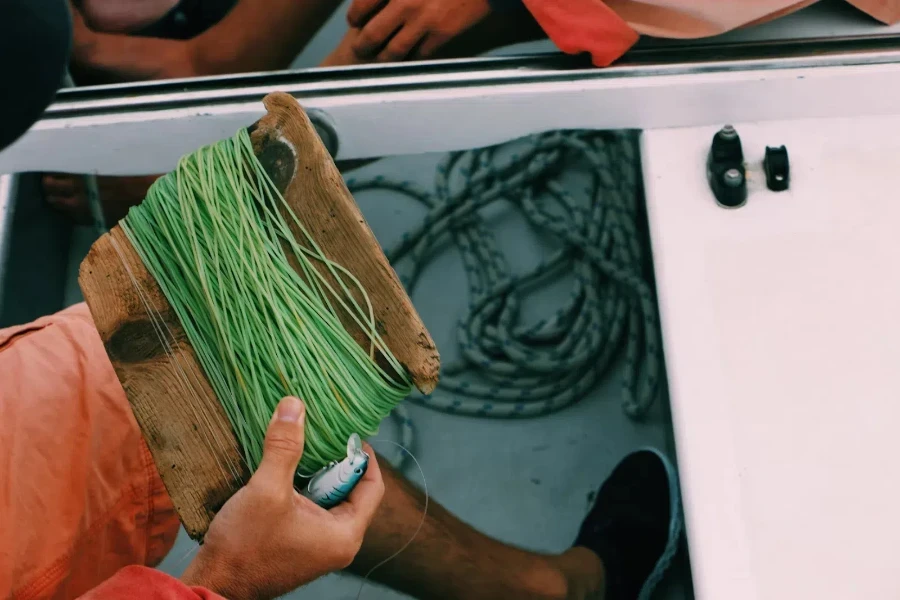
(183, 423)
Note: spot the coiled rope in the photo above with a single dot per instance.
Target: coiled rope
(510, 368)
(215, 234)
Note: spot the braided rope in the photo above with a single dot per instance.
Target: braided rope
(510, 369)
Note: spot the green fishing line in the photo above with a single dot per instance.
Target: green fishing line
(216, 236)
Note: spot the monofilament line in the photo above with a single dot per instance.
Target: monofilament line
(219, 239)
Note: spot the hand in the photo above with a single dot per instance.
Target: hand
(268, 540)
(400, 29)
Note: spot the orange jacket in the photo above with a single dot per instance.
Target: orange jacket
(607, 29)
(80, 497)
(141, 583)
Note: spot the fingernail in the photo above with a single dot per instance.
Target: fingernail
(290, 409)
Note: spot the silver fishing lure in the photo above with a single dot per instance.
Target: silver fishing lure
(334, 482)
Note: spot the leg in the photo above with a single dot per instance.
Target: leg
(634, 526)
(449, 559)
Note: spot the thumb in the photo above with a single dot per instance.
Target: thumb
(283, 446)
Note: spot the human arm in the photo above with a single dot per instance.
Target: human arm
(575, 26)
(507, 23)
(267, 540)
(404, 29)
(256, 35)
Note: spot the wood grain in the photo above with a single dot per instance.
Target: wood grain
(182, 421)
(316, 193)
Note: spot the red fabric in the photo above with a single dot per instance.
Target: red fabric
(577, 26)
(80, 496)
(608, 28)
(142, 583)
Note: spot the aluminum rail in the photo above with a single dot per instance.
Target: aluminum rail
(643, 61)
(450, 105)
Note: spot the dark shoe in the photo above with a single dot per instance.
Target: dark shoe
(635, 524)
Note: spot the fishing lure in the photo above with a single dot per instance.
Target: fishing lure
(334, 482)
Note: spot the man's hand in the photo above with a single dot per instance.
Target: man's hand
(399, 29)
(268, 540)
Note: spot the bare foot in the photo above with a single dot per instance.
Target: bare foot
(67, 194)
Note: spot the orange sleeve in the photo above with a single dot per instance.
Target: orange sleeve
(80, 496)
(143, 583)
(886, 11)
(590, 26)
